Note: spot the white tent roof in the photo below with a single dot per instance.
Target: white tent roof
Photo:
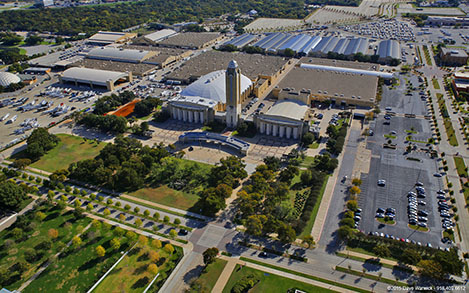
(212, 86)
(95, 76)
(7, 78)
(295, 110)
(161, 34)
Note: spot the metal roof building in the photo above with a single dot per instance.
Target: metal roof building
(291, 42)
(264, 40)
(389, 49)
(160, 35)
(310, 45)
(242, 40)
(7, 78)
(94, 77)
(358, 45)
(291, 109)
(122, 55)
(106, 38)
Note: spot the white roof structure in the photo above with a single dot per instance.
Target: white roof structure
(160, 35)
(94, 76)
(110, 37)
(7, 78)
(384, 75)
(118, 54)
(212, 86)
(291, 109)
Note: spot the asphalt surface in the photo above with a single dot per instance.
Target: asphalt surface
(400, 173)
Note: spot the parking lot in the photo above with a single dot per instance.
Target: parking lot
(401, 171)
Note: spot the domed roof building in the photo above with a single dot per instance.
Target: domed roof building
(212, 86)
(7, 78)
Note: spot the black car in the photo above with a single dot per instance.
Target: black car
(183, 232)
(380, 210)
(263, 254)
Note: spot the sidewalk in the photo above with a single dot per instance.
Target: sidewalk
(222, 280)
(382, 260)
(327, 197)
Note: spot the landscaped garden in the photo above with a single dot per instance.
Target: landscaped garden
(147, 259)
(244, 277)
(85, 261)
(32, 240)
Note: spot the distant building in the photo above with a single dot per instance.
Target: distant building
(388, 50)
(447, 21)
(37, 70)
(107, 38)
(95, 78)
(192, 41)
(453, 57)
(45, 3)
(460, 82)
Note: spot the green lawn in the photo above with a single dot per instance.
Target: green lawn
(35, 237)
(269, 282)
(69, 150)
(312, 219)
(170, 197)
(460, 166)
(167, 196)
(78, 269)
(209, 276)
(131, 274)
(384, 221)
(436, 85)
(308, 161)
(314, 145)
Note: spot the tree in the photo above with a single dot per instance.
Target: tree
(209, 255)
(166, 219)
(118, 231)
(254, 224)
(286, 234)
(156, 243)
(172, 233)
(381, 250)
(106, 212)
(138, 222)
(307, 139)
(40, 216)
(115, 244)
(146, 213)
(122, 217)
(287, 174)
(96, 224)
(21, 163)
(33, 40)
(356, 181)
(136, 210)
(39, 142)
(152, 269)
(309, 241)
(177, 221)
(127, 207)
(142, 240)
(344, 232)
(153, 256)
(53, 233)
(11, 195)
(411, 256)
(354, 190)
(89, 207)
(76, 242)
(131, 235)
(449, 262)
(431, 269)
(169, 248)
(100, 251)
(352, 205)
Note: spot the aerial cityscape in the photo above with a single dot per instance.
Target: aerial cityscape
(234, 146)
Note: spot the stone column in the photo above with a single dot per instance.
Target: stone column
(190, 116)
(274, 129)
(262, 128)
(288, 134)
(295, 132)
(268, 127)
(184, 115)
(179, 114)
(196, 117)
(281, 132)
(202, 117)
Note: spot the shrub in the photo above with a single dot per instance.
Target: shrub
(166, 219)
(137, 210)
(127, 207)
(177, 221)
(109, 201)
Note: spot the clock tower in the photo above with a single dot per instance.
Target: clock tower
(233, 92)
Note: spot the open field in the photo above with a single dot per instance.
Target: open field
(79, 268)
(408, 8)
(34, 239)
(269, 282)
(167, 196)
(273, 24)
(131, 274)
(209, 276)
(69, 150)
(460, 166)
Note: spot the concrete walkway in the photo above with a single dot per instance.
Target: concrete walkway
(382, 260)
(326, 198)
(225, 275)
(223, 279)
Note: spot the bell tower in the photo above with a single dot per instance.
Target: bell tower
(233, 92)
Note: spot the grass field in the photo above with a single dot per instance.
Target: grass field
(436, 85)
(269, 282)
(171, 197)
(131, 274)
(460, 166)
(167, 196)
(35, 238)
(209, 276)
(78, 269)
(69, 150)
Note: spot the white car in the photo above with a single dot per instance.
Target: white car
(381, 182)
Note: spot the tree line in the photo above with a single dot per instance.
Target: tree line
(90, 19)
